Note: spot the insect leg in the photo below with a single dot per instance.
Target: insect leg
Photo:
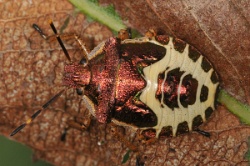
(81, 119)
(202, 132)
(76, 125)
(80, 43)
(80, 123)
(59, 40)
(151, 33)
(125, 34)
(64, 36)
(117, 131)
(39, 30)
(138, 161)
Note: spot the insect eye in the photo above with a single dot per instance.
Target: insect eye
(79, 91)
(83, 61)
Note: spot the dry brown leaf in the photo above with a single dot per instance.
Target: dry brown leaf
(219, 29)
(31, 72)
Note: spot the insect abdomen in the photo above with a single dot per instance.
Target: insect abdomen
(189, 94)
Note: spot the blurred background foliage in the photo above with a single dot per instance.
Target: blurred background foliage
(12, 152)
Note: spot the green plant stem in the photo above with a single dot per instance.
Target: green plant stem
(236, 107)
(100, 14)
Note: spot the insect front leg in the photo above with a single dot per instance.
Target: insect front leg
(59, 37)
(80, 43)
(79, 122)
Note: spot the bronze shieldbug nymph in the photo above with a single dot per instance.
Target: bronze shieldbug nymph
(158, 84)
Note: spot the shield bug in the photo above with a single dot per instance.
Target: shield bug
(158, 84)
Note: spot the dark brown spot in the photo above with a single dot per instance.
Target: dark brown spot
(188, 90)
(172, 150)
(170, 87)
(145, 53)
(216, 96)
(214, 77)
(182, 128)
(163, 39)
(158, 94)
(204, 93)
(197, 121)
(149, 133)
(167, 131)
(179, 45)
(193, 53)
(208, 112)
(205, 64)
(135, 113)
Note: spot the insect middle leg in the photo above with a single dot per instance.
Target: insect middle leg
(80, 122)
(81, 119)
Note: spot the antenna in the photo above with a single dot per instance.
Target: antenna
(37, 113)
(36, 27)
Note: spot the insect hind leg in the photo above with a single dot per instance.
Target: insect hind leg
(202, 132)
